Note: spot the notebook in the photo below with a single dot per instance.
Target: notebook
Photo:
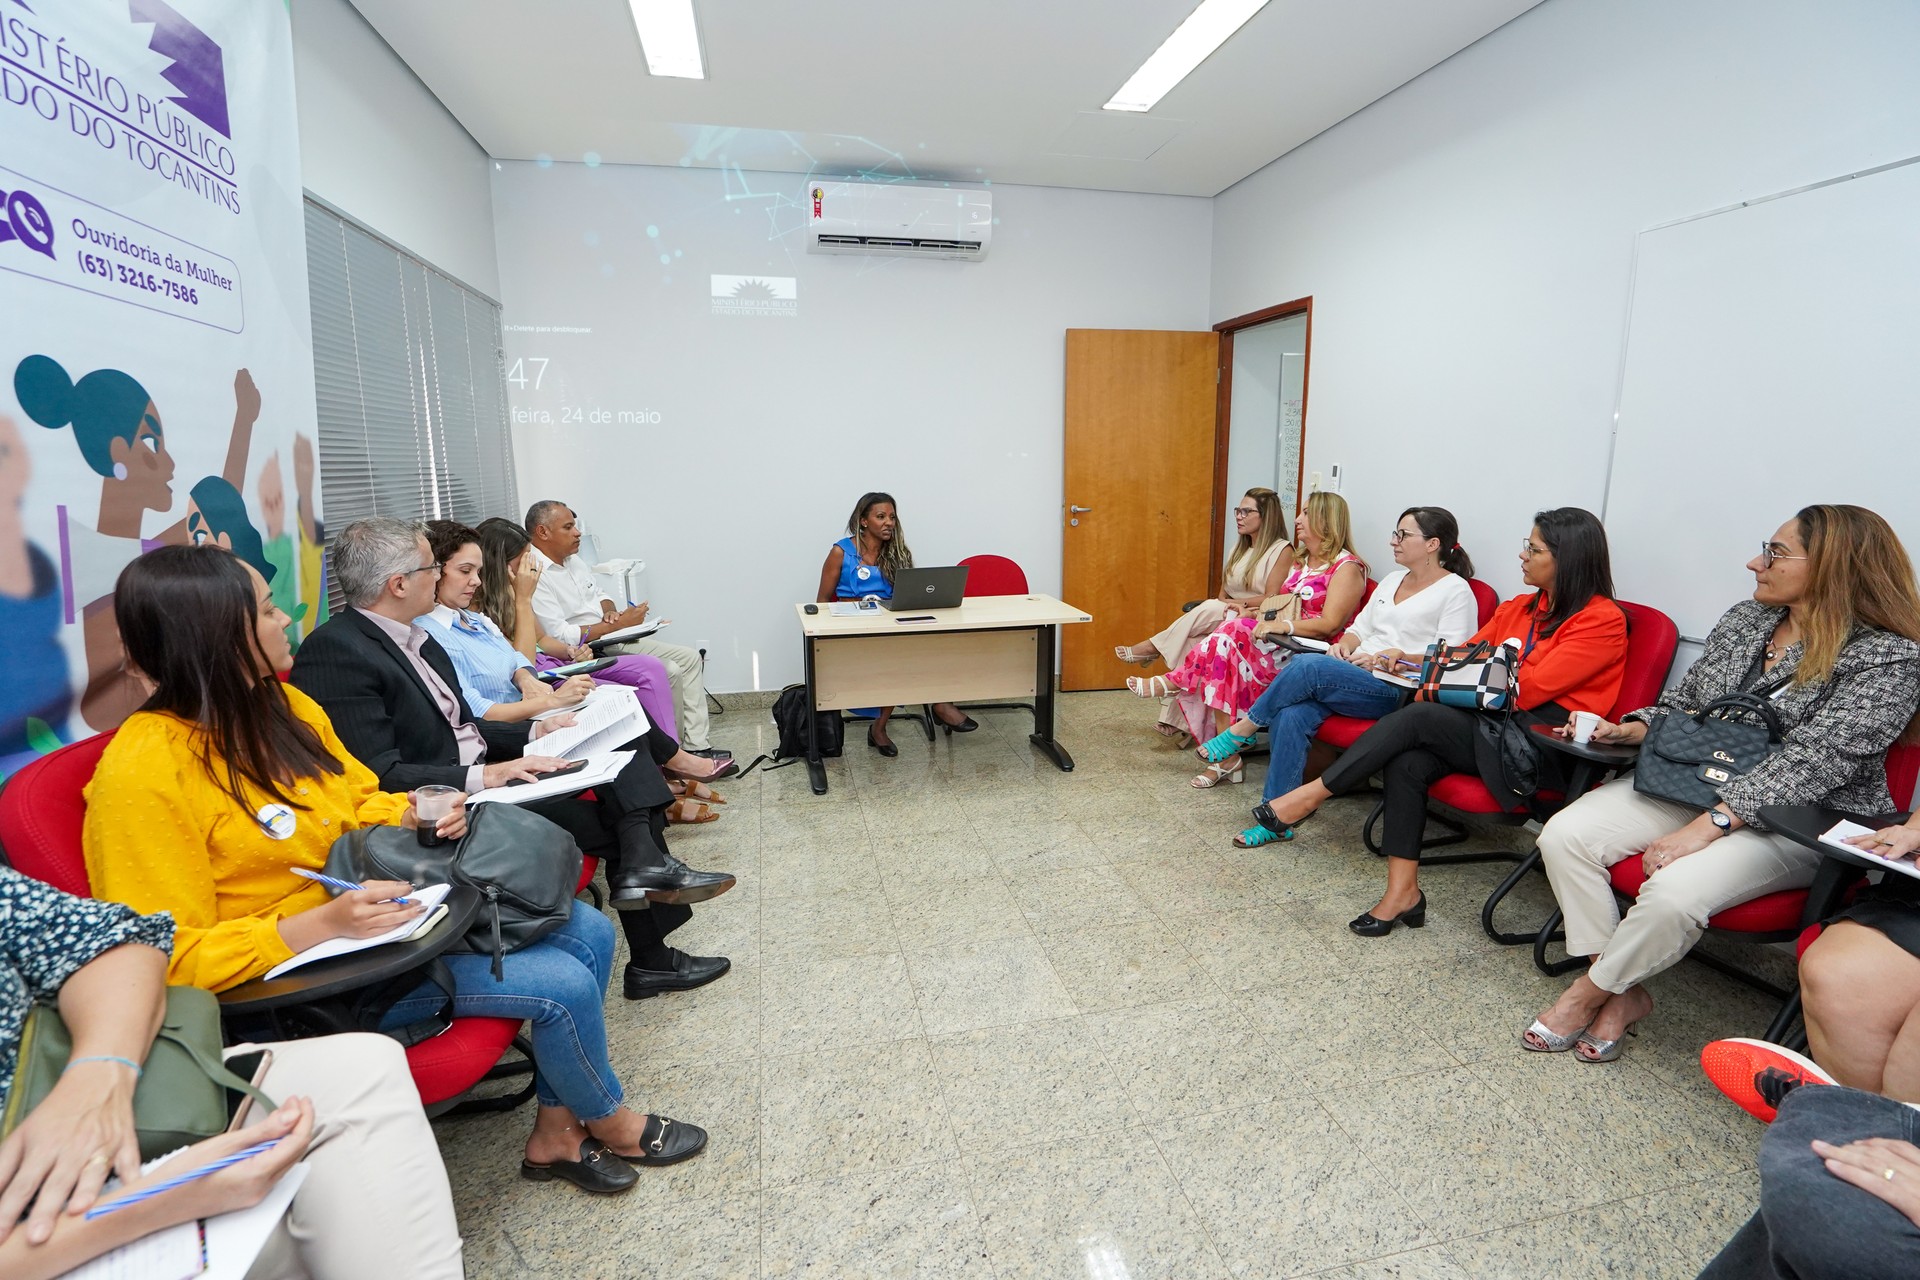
(434, 896)
(1837, 834)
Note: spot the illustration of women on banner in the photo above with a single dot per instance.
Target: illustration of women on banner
(118, 429)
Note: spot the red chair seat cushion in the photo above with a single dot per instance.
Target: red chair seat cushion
(1467, 794)
(1343, 731)
(42, 810)
(588, 865)
(454, 1061)
(1769, 913)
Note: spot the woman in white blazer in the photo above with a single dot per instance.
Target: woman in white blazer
(1427, 600)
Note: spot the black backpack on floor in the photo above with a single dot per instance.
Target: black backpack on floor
(790, 718)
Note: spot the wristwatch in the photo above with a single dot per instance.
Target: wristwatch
(1721, 821)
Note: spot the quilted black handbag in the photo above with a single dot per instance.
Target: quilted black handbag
(1687, 758)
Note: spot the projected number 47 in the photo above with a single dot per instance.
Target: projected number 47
(569, 414)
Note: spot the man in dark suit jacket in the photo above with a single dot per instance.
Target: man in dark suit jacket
(394, 699)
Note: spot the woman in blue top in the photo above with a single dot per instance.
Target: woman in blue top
(863, 564)
(497, 680)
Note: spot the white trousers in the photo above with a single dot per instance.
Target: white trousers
(376, 1200)
(689, 683)
(1614, 823)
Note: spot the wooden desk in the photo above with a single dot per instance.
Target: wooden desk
(989, 647)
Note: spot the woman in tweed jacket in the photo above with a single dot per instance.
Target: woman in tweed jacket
(1831, 638)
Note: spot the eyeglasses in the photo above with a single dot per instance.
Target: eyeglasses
(1768, 555)
(433, 569)
(1246, 511)
(1399, 536)
(1528, 551)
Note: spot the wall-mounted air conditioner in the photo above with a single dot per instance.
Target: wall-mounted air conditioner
(899, 219)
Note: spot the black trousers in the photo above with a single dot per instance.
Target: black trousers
(1811, 1225)
(628, 819)
(1411, 750)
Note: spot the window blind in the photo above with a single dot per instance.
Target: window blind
(410, 383)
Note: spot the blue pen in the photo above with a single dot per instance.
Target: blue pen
(147, 1193)
(342, 885)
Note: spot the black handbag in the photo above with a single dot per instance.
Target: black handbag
(1688, 757)
(526, 867)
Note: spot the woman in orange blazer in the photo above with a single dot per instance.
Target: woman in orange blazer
(1573, 642)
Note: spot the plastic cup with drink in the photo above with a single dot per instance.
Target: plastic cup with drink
(430, 804)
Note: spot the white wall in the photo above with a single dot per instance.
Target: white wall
(1467, 240)
(375, 143)
(941, 382)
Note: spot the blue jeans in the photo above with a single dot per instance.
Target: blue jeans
(1309, 688)
(559, 985)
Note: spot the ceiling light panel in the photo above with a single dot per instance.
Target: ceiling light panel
(1192, 43)
(671, 39)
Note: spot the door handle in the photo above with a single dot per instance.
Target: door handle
(1074, 511)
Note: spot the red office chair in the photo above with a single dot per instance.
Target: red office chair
(41, 812)
(991, 576)
(994, 576)
(1651, 641)
(1774, 917)
(1341, 732)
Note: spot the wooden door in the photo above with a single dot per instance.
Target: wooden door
(1140, 466)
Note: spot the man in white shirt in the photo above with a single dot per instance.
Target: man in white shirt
(568, 605)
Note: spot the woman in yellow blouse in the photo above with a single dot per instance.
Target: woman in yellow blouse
(225, 779)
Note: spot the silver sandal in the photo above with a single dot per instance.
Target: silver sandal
(1554, 1042)
(1598, 1050)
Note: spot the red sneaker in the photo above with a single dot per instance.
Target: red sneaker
(1758, 1075)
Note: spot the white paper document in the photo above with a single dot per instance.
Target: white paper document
(850, 609)
(637, 632)
(599, 693)
(431, 897)
(600, 724)
(600, 768)
(1837, 835)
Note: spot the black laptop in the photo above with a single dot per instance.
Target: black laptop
(915, 589)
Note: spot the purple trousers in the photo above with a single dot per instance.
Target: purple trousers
(646, 676)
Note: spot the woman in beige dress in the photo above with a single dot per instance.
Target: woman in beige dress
(1256, 567)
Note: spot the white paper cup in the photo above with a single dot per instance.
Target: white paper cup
(1584, 723)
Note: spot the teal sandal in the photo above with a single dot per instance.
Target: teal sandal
(1223, 746)
(1254, 837)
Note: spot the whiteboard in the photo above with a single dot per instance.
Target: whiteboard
(1772, 361)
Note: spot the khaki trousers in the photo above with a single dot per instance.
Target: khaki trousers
(689, 686)
(376, 1200)
(1615, 823)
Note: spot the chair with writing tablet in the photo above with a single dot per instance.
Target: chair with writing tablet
(1785, 916)
(42, 810)
(1341, 732)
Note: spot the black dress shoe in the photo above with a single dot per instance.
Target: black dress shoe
(1368, 925)
(967, 725)
(666, 880)
(711, 753)
(598, 1169)
(886, 749)
(667, 1141)
(687, 973)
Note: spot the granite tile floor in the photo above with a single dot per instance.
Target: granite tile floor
(991, 1020)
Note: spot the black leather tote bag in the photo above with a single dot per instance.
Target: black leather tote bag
(1687, 758)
